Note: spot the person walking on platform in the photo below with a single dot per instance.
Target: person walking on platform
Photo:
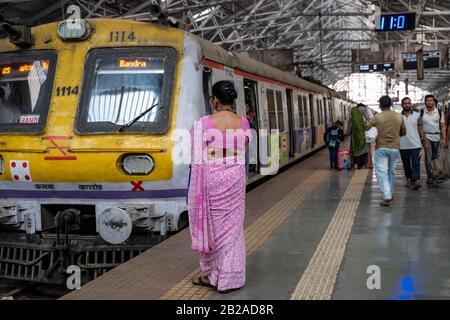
(410, 145)
(333, 138)
(391, 127)
(359, 148)
(368, 114)
(216, 196)
(434, 133)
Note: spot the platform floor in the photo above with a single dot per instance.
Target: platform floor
(311, 234)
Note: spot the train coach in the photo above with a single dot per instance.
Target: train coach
(87, 123)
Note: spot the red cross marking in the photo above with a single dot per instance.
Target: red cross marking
(62, 150)
(137, 186)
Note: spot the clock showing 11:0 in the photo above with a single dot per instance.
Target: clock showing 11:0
(397, 22)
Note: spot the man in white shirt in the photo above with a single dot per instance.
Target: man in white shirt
(410, 145)
(434, 133)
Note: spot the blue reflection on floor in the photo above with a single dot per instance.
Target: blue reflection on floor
(407, 289)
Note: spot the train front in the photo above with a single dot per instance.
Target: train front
(86, 124)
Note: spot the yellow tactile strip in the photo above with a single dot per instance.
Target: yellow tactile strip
(318, 280)
(255, 235)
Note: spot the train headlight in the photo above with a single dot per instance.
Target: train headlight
(74, 29)
(2, 165)
(137, 164)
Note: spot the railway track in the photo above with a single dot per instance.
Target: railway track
(20, 290)
(24, 290)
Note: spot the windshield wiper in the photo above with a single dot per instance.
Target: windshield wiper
(129, 124)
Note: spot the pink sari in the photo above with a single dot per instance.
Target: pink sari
(216, 203)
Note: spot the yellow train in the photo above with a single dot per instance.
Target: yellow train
(87, 124)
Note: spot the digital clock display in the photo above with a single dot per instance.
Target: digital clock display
(397, 22)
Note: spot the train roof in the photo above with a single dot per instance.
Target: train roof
(244, 63)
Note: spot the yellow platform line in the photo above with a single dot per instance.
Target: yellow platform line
(318, 280)
(255, 235)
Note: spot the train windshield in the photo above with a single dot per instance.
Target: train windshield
(25, 89)
(125, 86)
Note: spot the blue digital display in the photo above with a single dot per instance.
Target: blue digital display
(397, 22)
(374, 67)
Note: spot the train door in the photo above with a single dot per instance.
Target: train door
(313, 122)
(291, 131)
(207, 73)
(252, 113)
(325, 111)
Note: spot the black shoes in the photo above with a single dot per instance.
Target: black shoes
(416, 186)
(386, 203)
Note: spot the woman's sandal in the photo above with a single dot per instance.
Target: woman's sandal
(228, 291)
(200, 282)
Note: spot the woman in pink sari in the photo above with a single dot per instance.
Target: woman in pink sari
(216, 199)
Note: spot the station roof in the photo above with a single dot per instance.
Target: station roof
(322, 33)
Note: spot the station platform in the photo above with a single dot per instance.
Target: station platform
(311, 233)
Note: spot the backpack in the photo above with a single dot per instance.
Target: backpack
(331, 139)
(422, 112)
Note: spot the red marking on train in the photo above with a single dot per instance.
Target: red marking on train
(61, 149)
(213, 64)
(27, 177)
(137, 186)
(254, 77)
(58, 147)
(13, 164)
(24, 165)
(61, 158)
(57, 138)
(251, 76)
(16, 177)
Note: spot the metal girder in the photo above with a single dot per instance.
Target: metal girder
(44, 13)
(140, 7)
(322, 31)
(95, 8)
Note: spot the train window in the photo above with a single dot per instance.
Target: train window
(280, 111)
(127, 89)
(305, 112)
(317, 111)
(300, 111)
(319, 119)
(271, 109)
(332, 111)
(320, 109)
(26, 81)
(328, 111)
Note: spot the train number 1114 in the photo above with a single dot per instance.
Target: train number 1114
(67, 91)
(121, 36)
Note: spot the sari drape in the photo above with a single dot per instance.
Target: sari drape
(198, 202)
(358, 142)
